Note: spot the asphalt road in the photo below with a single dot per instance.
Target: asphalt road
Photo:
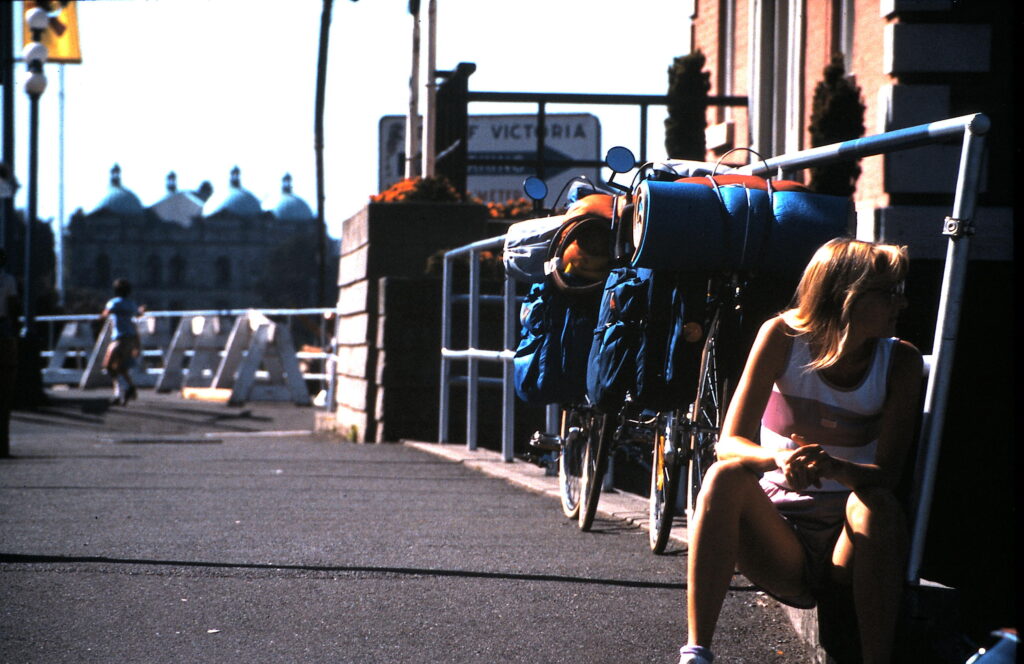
(176, 531)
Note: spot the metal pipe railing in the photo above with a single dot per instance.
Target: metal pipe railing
(958, 227)
(473, 355)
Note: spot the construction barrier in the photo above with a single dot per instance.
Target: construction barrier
(254, 359)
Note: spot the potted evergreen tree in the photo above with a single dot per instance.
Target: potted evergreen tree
(688, 87)
(837, 114)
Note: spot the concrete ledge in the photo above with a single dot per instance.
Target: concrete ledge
(928, 624)
(324, 422)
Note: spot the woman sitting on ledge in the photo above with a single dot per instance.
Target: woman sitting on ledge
(833, 398)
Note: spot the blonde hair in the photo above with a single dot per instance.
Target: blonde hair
(840, 271)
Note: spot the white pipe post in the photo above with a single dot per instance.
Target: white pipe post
(446, 342)
(59, 240)
(473, 364)
(944, 343)
(508, 395)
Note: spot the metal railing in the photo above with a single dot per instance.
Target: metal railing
(958, 227)
(472, 354)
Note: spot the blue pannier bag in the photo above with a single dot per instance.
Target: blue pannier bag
(550, 364)
(638, 346)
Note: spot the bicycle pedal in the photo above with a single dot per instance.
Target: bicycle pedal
(546, 441)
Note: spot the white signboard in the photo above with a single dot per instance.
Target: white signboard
(508, 137)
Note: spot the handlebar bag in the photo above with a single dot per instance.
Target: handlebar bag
(724, 224)
(550, 363)
(639, 346)
(527, 244)
(536, 248)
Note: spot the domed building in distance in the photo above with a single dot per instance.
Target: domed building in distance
(200, 249)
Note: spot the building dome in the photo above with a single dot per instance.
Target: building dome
(290, 207)
(119, 200)
(236, 201)
(181, 207)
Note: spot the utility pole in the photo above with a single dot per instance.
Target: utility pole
(7, 81)
(412, 118)
(429, 119)
(318, 149)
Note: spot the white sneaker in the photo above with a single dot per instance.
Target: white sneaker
(692, 658)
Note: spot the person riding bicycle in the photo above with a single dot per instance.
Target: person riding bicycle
(810, 451)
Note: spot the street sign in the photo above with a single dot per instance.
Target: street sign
(512, 139)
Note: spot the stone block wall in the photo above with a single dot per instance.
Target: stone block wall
(387, 240)
(408, 358)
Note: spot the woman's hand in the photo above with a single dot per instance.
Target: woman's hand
(806, 465)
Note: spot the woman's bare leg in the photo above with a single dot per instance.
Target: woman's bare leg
(871, 551)
(736, 523)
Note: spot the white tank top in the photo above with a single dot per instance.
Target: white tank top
(844, 421)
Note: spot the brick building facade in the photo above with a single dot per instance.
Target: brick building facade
(915, 61)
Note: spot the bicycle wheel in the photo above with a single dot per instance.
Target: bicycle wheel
(576, 425)
(705, 417)
(595, 464)
(665, 475)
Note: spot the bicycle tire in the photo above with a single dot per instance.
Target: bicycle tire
(665, 475)
(705, 417)
(595, 464)
(576, 425)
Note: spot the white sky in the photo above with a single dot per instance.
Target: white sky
(199, 86)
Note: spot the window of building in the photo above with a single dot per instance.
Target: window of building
(222, 268)
(154, 271)
(177, 270)
(776, 75)
(727, 46)
(842, 30)
(102, 278)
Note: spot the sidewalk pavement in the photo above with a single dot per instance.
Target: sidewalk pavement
(173, 530)
(621, 505)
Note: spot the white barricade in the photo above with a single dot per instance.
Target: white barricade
(260, 364)
(202, 337)
(76, 339)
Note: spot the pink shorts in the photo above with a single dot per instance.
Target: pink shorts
(817, 518)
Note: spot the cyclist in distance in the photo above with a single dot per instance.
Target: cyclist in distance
(811, 449)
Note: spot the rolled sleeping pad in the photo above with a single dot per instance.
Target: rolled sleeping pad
(685, 226)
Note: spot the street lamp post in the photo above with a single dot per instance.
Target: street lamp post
(35, 54)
